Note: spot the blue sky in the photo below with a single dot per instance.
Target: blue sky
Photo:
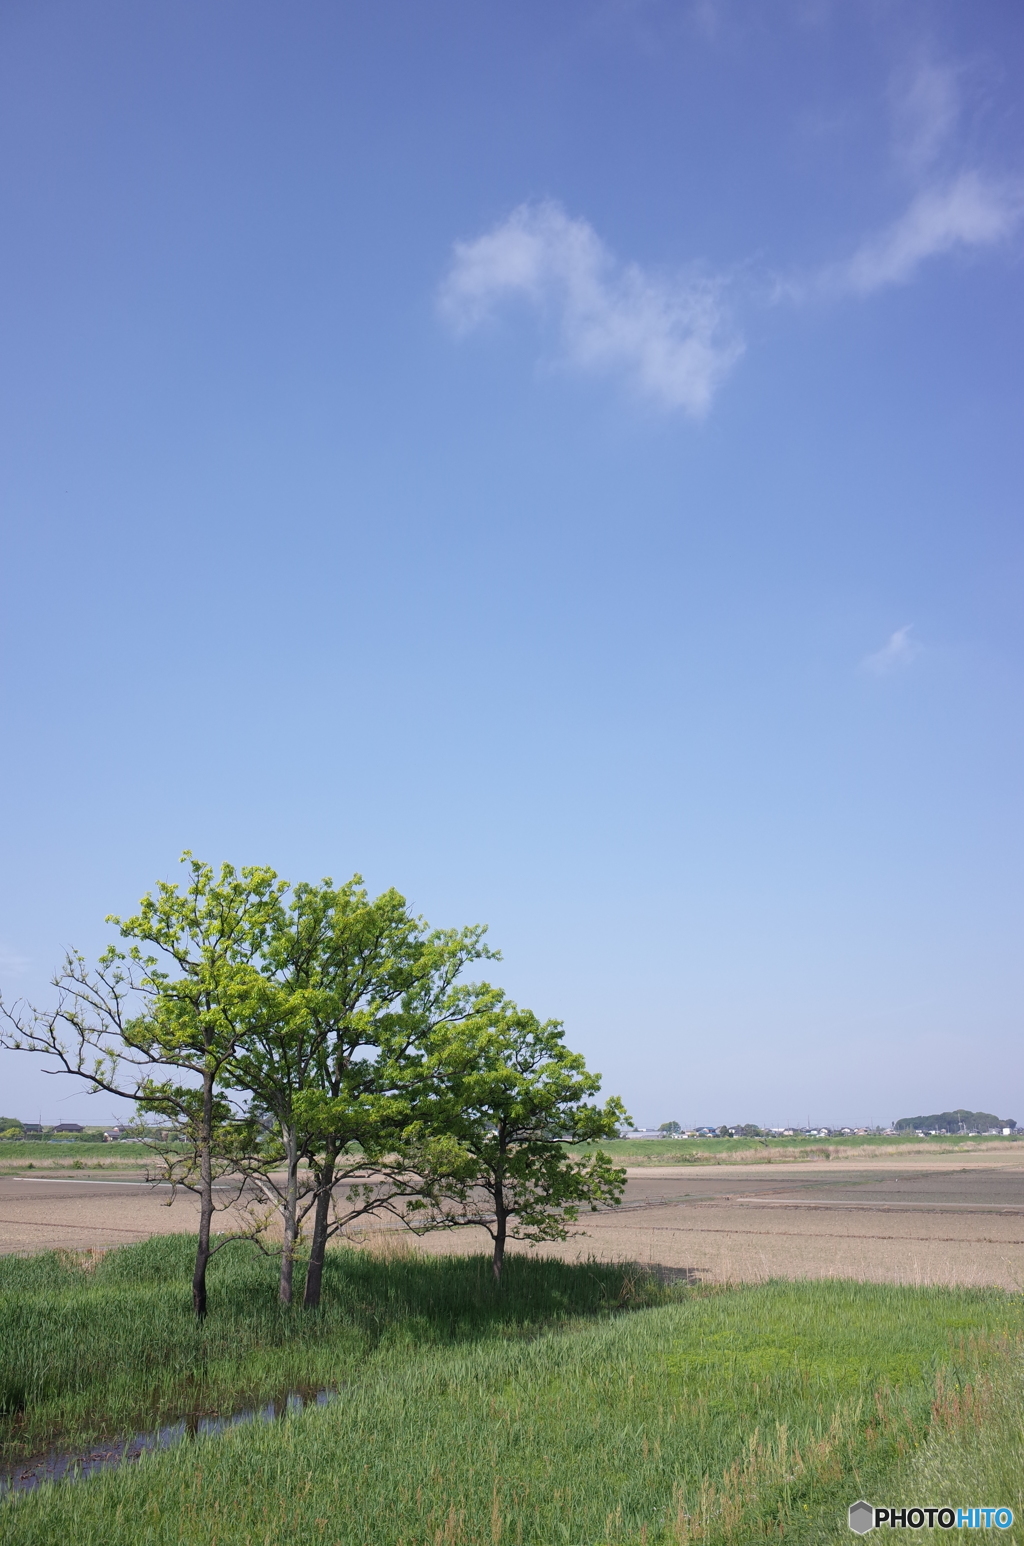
(562, 461)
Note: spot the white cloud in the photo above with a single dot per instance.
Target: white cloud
(968, 212)
(670, 338)
(898, 650)
(926, 109)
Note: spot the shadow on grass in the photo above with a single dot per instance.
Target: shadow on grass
(453, 1298)
(94, 1344)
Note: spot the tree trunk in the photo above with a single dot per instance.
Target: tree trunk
(500, 1233)
(205, 1199)
(291, 1205)
(318, 1245)
(497, 1190)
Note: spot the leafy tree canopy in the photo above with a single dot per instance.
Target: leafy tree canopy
(505, 1103)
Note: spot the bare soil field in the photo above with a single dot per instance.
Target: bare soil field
(926, 1223)
(66, 1212)
(956, 1219)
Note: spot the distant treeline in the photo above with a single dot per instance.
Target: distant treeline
(954, 1122)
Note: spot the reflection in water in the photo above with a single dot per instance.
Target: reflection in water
(72, 1467)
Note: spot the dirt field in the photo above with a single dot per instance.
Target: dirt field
(955, 1220)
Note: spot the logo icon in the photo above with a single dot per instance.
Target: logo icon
(861, 1517)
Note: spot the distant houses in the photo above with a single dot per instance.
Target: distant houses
(12, 1128)
(976, 1123)
(671, 1130)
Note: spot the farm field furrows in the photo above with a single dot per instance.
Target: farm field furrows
(921, 1218)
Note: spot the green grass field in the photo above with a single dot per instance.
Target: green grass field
(695, 1151)
(579, 1406)
(16, 1153)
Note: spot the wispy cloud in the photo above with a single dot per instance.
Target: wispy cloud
(970, 211)
(670, 338)
(673, 337)
(949, 209)
(926, 106)
(897, 651)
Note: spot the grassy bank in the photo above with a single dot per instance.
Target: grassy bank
(540, 1415)
(704, 1151)
(97, 1344)
(18, 1154)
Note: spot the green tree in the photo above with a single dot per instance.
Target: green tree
(162, 1029)
(206, 993)
(381, 984)
(236, 1002)
(506, 1101)
(670, 1129)
(346, 982)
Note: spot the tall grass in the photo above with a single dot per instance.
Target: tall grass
(731, 1416)
(974, 1456)
(95, 1344)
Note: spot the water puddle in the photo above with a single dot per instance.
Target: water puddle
(57, 1466)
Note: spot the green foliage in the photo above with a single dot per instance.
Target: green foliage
(348, 982)
(955, 1122)
(204, 987)
(503, 1101)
